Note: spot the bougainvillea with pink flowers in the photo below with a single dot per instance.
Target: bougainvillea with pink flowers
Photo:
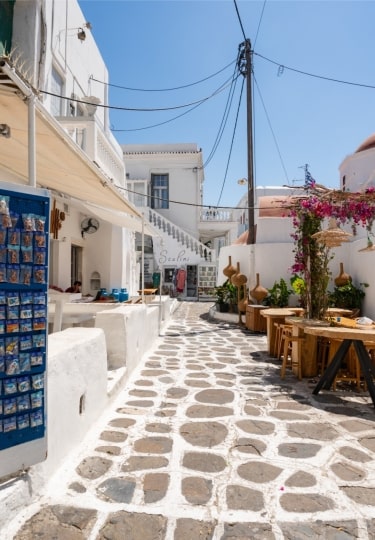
(311, 258)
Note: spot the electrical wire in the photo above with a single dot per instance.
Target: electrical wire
(161, 89)
(260, 21)
(231, 146)
(283, 66)
(239, 20)
(272, 131)
(223, 120)
(166, 121)
(136, 109)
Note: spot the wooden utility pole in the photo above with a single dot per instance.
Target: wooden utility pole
(245, 68)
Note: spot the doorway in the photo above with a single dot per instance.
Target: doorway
(76, 263)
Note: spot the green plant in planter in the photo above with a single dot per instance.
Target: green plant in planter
(226, 296)
(348, 296)
(278, 295)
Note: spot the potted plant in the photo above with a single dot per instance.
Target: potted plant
(278, 295)
(221, 300)
(348, 296)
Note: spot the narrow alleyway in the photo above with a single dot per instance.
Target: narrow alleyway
(206, 442)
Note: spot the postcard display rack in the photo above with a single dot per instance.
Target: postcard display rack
(206, 282)
(24, 221)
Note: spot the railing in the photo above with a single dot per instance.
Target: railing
(216, 214)
(185, 239)
(91, 138)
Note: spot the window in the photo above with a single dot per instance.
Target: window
(159, 191)
(137, 193)
(57, 87)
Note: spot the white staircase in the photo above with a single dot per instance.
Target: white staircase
(184, 240)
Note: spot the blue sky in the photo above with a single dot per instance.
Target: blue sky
(298, 119)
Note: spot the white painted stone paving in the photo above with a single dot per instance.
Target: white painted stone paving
(207, 442)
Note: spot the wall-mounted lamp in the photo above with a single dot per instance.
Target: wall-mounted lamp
(5, 130)
(81, 34)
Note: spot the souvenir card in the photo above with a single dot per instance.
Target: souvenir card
(26, 325)
(25, 274)
(39, 341)
(37, 381)
(27, 254)
(11, 346)
(3, 254)
(13, 299)
(23, 403)
(26, 298)
(40, 256)
(26, 343)
(40, 240)
(2, 365)
(36, 418)
(28, 221)
(4, 205)
(14, 237)
(39, 275)
(2, 347)
(14, 219)
(39, 324)
(2, 312)
(26, 312)
(39, 311)
(13, 312)
(25, 362)
(36, 400)
(10, 406)
(23, 421)
(13, 254)
(3, 235)
(3, 276)
(12, 366)
(9, 424)
(13, 273)
(10, 386)
(36, 358)
(40, 222)
(39, 298)
(12, 326)
(23, 384)
(26, 239)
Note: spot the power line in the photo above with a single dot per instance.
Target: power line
(161, 89)
(260, 21)
(138, 109)
(283, 66)
(272, 131)
(231, 146)
(239, 20)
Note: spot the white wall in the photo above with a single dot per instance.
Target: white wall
(182, 162)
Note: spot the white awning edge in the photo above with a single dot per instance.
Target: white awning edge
(121, 219)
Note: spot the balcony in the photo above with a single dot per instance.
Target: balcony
(91, 138)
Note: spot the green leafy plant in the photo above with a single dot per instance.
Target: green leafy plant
(278, 295)
(348, 296)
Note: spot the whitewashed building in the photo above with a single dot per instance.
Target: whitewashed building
(59, 138)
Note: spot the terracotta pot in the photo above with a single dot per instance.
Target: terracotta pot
(230, 269)
(259, 293)
(238, 279)
(343, 278)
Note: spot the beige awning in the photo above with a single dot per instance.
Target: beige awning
(120, 218)
(61, 165)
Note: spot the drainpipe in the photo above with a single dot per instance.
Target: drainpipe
(143, 259)
(10, 72)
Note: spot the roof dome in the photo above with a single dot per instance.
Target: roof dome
(367, 144)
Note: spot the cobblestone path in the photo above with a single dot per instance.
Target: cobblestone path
(206, 442)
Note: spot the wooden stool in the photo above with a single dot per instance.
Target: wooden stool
(322, 355)
(352, 373)
(288, 360)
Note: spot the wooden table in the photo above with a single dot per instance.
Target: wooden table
(356, 336)
(308, 349)
(274, 315)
